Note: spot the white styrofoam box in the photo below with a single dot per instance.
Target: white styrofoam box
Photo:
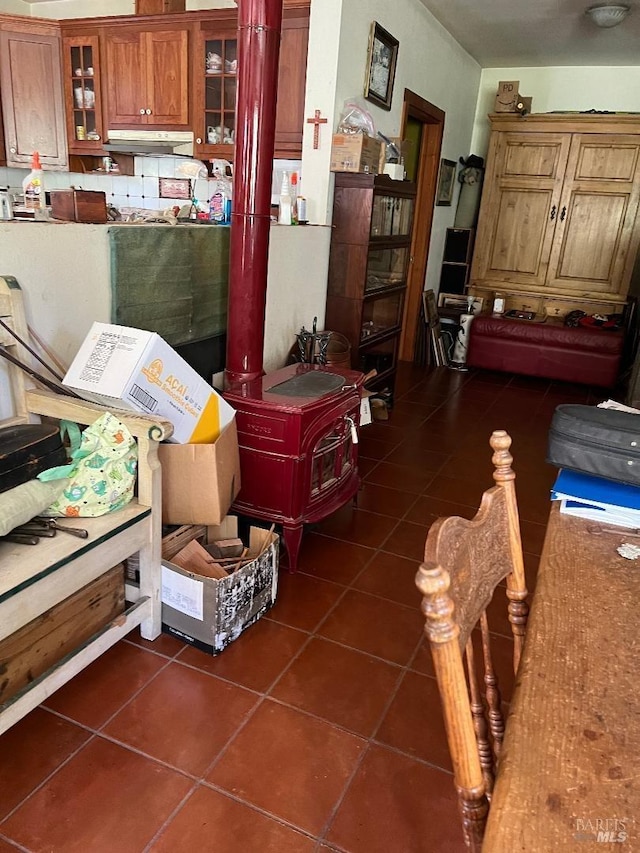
(395, 171)
(137, 370)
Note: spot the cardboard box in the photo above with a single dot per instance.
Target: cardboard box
(132, 369)
(355, 153)
(200, 481)
(507, 96)
(209, 613)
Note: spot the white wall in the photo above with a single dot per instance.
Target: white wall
(559, 88)
(64, 272)
(14, 7)
(431, 64)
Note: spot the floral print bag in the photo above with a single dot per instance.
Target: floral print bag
(102, 472)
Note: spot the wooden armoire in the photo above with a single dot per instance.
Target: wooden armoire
(558, 226)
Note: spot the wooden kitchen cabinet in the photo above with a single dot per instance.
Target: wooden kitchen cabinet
(368, 265)
(32, 92)
(214, 114)
(214, 70)
(82, 71)
(147, 80)
(3, 156)
(558, 216)
(292, 81)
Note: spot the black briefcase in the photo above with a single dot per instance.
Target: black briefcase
(604, 442)
(26, 450)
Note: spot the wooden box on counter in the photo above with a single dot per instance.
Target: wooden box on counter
(79, 205)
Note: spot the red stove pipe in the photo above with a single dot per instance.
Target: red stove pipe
(259, 25)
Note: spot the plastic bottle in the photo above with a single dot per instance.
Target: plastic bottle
(294, 198)
(284, 216)
(220, 201)
(33, 186)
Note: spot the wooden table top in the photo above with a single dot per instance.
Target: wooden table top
(570, 764)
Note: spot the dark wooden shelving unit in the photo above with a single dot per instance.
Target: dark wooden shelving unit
(368, 263)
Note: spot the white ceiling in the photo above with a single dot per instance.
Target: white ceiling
(505, 33)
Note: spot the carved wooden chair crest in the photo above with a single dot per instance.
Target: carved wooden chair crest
(464, 563)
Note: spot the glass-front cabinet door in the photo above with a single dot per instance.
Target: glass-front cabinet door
(82, 94)
(392, 216)
(386, 267)
(216, 91)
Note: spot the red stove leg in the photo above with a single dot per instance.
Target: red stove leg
(292, 534)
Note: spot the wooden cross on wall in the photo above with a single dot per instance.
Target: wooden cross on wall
(316, 121)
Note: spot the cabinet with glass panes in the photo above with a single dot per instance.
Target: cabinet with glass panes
(81, 63)
(368, 265)
(215, 76)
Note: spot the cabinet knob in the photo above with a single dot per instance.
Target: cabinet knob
(142, 111)
(553, 213)
(199, 141)
(12, 150)
(563, 213)
(148, 111)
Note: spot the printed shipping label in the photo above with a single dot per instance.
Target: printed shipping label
(182, 593)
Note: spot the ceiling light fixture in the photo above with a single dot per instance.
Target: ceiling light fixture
(607, 16)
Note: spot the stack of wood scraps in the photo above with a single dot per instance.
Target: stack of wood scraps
(219, 558)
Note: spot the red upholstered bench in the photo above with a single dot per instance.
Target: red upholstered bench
(550, 350)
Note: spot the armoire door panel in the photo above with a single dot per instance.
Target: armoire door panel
(522, 221)
(534, 156)
(595, 236)
(592, 237)
(607, 160)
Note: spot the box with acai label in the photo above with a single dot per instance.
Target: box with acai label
(136, 370)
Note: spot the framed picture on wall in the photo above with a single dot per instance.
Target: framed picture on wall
(381, 66)
(446, 182)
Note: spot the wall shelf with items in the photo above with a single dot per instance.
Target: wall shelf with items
(368, 264)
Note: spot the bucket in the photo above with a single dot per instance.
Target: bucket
(338, 351)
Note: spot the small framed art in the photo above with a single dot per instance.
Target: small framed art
(381, 66)
(446, 182)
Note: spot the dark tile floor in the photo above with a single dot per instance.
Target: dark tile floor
(320, 728)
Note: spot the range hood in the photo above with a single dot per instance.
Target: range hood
(150, 142)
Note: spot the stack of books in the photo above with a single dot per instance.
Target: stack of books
(597, 499)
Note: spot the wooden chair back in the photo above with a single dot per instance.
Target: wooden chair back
(465, 561)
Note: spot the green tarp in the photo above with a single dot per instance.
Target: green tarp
(172, 280)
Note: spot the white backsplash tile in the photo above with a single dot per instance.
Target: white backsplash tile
(166, 167)
(148, 167)
(135, 186)
(150, 188)
(203, 190)
(119, 184)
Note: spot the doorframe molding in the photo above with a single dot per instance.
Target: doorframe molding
(432, 119)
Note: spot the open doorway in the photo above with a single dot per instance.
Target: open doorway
(422, 126)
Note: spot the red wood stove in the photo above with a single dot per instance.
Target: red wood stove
(296, 426)
(297, 430)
